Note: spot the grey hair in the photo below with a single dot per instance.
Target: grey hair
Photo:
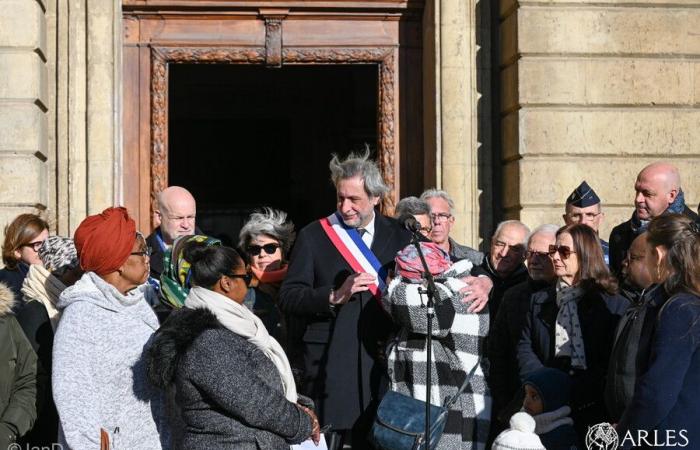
(505, 223)
(411, 205)
(547, 228)
(355, 165)
(438, 193)
(268, 222)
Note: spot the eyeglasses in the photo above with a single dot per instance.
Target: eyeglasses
(440, 217)
(533, 254)
(563, 250)
(145, 252)
(247, 277)
(270, 249)
(33, 245)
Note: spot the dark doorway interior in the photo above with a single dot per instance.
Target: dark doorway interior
(241, 137)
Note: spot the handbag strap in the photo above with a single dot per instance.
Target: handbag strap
(449, 401)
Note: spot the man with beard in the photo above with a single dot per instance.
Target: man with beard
(658, 191)
(334, 283)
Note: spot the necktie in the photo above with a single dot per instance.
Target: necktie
(362, 231)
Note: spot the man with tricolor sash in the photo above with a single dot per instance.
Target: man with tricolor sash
(336, 276)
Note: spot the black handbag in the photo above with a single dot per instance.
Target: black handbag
(400, 420)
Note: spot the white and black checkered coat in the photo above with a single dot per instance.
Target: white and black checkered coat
(458, 340)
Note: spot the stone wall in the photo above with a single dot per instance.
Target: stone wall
(596, 90)
(60, 116)
(24, 153)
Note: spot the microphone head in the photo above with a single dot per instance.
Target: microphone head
(409, 222)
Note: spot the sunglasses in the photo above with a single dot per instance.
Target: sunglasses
(245, 277)
(270, 249)
(33, 245)
(563, 250)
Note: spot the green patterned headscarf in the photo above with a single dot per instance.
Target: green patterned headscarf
(175, 279)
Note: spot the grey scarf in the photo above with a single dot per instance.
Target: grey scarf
(568, 338)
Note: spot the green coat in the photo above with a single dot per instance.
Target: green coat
(17, 375)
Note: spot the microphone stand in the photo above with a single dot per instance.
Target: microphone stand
(430, 313)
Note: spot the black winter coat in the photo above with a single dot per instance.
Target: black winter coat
(228, 392)
(599, 314)
(345, 366)
(14, 279)
(36, 325)
(501, 284)
(621, 238)
(503, 342)
(630, 352)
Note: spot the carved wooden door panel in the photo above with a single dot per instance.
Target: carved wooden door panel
(387, 35)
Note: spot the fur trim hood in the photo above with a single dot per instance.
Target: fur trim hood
(7, 300)
(173, 339)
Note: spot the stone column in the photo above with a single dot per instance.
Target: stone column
(25, 180)
(595, 91)
(454, 85)
(87, 108)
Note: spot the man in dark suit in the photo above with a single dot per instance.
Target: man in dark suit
(346, 329)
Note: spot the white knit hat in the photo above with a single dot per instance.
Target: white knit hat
(520, 436)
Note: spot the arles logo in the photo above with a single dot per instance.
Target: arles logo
(603, 436)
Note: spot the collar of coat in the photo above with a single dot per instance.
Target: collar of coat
(7, 300)
(172, 340)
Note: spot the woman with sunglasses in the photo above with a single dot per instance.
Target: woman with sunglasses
(233, 383)
(23, 237)
(570, 326)
(266, 239)
(666, 396)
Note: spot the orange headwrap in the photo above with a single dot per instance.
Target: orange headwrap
(104, 241)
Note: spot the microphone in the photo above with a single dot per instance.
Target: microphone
(409, 222)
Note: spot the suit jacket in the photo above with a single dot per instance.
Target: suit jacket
(345, 366)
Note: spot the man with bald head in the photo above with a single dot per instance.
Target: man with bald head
(658, 191)
(175, 216)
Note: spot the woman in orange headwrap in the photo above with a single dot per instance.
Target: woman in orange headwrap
(99, 379)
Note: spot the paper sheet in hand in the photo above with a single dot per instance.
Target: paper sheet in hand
(309, 445)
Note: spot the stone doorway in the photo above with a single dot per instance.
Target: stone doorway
(345, 40)
(243, 136)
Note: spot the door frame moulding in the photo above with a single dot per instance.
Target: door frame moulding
(383, 57)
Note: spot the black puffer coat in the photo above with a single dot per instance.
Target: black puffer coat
(228, 392)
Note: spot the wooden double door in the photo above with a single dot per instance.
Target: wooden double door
(243, 103)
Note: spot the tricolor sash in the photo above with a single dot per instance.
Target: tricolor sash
(354, 251)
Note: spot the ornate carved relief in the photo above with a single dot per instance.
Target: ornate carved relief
(382, 56)
(273, 42)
